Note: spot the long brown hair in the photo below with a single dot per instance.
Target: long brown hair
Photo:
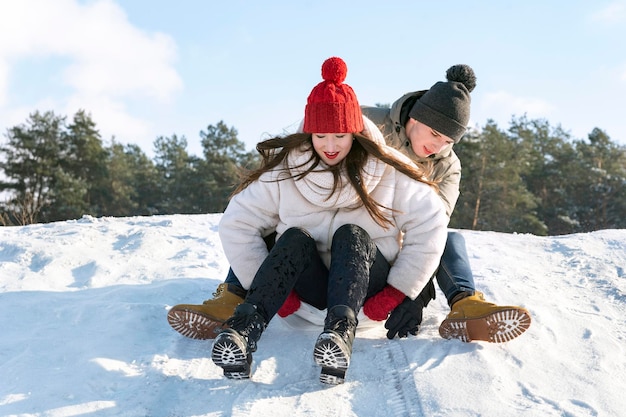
(274, 151)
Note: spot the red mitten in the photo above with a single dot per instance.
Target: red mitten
(291, 305)
(381, 304)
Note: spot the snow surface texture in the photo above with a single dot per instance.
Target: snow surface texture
(84, 332)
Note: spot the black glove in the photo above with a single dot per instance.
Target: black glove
(405, 319)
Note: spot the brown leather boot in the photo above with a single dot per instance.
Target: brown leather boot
(473, 318)
(207, 320)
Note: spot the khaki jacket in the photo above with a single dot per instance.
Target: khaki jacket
(446, 166)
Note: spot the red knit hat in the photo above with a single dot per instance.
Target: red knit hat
(332, 106)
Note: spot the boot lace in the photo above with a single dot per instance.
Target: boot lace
(342, 325)
(243, 323)
(248, 324)
(216, 294)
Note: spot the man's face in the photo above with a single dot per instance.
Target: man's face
(425, 141)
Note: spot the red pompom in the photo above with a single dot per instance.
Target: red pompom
(334, 69)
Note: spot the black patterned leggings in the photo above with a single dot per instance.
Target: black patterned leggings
(357, 271)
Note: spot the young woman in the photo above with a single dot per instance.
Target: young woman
(339, 201)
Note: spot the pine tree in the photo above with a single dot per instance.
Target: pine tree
(494, 195)
(30, 164)
(601, 203)
(224, 155)
(180, 185)
(132, 181)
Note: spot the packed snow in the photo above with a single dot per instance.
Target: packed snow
(84, 331)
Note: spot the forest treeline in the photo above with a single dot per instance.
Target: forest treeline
(529, 178)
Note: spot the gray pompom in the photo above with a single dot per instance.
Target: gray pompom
(463, 74)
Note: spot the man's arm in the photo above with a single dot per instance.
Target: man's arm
(450, 179)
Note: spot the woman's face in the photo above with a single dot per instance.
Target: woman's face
(332, 148)
(425, 141)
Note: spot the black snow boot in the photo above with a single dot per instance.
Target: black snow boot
(334, 346)
(233, 347)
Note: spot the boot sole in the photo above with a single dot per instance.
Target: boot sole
(229, 354)
(498, 327)
(334, 360)
(194, 325)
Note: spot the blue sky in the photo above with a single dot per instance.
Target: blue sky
(144, 69)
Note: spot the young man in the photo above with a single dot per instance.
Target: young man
(424, 125)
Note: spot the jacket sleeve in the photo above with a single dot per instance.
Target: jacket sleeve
(422, 218)
(250, 215)
(449, 184)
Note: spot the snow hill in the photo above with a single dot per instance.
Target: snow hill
(84, 332)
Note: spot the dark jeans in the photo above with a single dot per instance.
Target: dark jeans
(454, 275)
(357, 271)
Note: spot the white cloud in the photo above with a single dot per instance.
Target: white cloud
(116, 58)
(612, 13)
(108, 59)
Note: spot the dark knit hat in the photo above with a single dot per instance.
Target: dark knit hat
(332, 106)
(446, 106)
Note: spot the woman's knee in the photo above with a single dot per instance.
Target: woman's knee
(351, 232)
(295, 235)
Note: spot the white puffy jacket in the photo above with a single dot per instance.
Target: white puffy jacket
(268, 205)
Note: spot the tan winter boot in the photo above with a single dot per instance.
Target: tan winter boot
(473, 318)
(207, 320)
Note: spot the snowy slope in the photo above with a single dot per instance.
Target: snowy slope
(84, 332)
